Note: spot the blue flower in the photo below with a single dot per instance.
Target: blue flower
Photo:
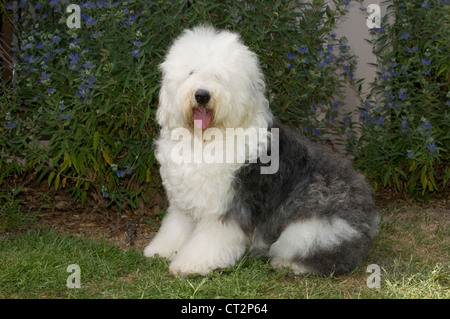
(12, 124)
(426, 62)
(89, 65)
(335, 105)
(425, 5)
(303, 49)
(137, 43)
(410, 154)
(96, 34)
(290, 55)
(64, 117)
(316, 131)
(83, 91)
(44, 77)
(56, 38)
(404, 36)
(22, 3)
(120, 173)
(136, 53)
(74, 58)
(402, 94)
(404, 123)
(90, 21)
(62, 107)
(431, 146)
(408, 50)
(91, 81)
(345, 2)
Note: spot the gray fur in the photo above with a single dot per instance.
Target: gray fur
(312, 182)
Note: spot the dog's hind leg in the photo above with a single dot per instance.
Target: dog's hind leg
(318, 245)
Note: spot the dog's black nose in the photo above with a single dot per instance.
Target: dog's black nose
(202, 96)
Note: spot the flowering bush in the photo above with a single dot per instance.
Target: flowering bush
(405, 131)
(80, 110)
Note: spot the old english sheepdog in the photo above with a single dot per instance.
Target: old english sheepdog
(308, 211)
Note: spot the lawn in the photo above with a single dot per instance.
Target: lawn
(411, 250)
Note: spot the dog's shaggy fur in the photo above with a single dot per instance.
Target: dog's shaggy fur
(315, 214)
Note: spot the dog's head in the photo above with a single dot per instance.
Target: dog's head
(211, 79)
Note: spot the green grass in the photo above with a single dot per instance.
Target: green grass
(411, 249)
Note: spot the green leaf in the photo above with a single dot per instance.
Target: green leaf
(96, 140)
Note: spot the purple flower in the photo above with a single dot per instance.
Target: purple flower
(137, 43)
(335, 105)
(62, 107)
(120, 173)
(425, 62)
(56, 38)
(402, 94)
(410, 154)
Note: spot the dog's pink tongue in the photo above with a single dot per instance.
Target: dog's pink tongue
(201, 114)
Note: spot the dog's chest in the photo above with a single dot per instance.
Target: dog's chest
(198, 188)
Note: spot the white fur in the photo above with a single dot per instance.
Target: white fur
(305, 237)
(193, 235)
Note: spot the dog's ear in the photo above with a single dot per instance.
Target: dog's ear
(162, 114)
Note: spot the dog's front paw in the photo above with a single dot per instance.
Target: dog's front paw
(190, 267)
(154, 249)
